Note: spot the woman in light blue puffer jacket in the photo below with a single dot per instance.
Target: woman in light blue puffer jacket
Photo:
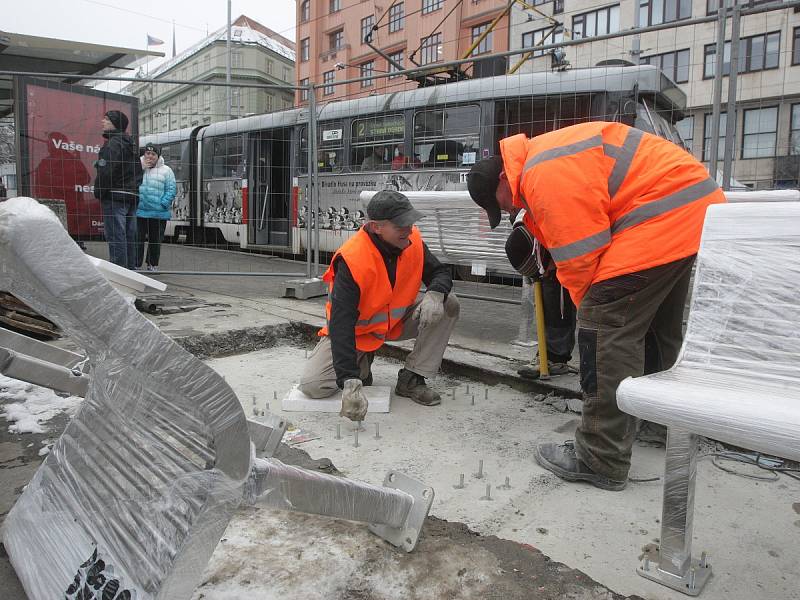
(155, 202)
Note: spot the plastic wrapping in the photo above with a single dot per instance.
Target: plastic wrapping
(285, 487)
(141, 485)
(737, 378)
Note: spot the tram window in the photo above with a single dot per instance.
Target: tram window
(447, 137)
(330, 160)
(176, 157)
(377, 143)
(330, 157)
(223, 157)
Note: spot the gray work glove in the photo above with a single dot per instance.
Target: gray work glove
(431, 309)
(354, 402)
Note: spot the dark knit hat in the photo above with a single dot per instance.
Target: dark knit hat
(482, 182)
(118, 119)
(151, 148)
(389, 205)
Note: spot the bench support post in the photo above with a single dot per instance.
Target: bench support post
(674, 566)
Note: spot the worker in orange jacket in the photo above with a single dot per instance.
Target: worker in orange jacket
(374, 281)
(620, 212)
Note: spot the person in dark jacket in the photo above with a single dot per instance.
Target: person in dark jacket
(374, 281)
(119, 174)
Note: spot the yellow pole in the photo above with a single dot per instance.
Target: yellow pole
(489, 30)
(541, 333)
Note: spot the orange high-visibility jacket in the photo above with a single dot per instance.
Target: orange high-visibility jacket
(607, 199)
(381, 307)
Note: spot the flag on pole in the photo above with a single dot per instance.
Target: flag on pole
(153, 41)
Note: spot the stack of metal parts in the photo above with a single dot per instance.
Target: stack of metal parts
(136, 493)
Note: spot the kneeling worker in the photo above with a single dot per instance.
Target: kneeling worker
(373, 282)
(620, 212)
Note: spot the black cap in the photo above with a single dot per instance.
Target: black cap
(482, 182)
(118, 119)
(152, 148)
(389, 205)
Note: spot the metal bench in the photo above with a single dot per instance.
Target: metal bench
(458, 232)
(137, 491)
(737, 378)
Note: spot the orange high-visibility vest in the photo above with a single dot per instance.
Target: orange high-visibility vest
(606, 199)
(381, 307)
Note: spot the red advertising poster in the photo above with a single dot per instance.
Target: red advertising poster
(60, 135)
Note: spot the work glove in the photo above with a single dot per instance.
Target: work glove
(430, 310)
(354, 402)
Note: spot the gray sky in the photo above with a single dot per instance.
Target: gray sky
(127, 22)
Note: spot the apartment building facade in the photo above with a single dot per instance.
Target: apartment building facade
(767, 135)
(258, 55)
(331, 47)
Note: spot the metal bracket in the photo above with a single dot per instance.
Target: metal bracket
(266, 433)
(692, 583)
(407, 535)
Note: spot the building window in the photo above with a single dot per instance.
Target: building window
(287, 74)
(674, 64)
(396, 17)
(597, 22)
(334, 6)
(537, 38)
(336, 39)
(305, 49)
(794, 130)
(367, 70)
(796, 47)
(304, 90)
(398, 58)
(760, 132)
(367, 23)
(713, 5)
(558, 6)
(756, 53)
(486, 43)
(654, 12)
(707, 135)
(685, 128)
(428, 6)
(431, 47)
(305, 11)
(268, 103)
(268, 67)
(328, 78)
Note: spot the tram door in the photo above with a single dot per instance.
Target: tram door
(270, 188)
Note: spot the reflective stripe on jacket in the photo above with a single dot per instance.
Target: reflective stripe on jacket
(381, 307)
(607, 199)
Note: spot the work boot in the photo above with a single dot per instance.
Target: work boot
(531, 371)
(411, 385)
(562, 460)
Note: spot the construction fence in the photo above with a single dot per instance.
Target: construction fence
(282, 170)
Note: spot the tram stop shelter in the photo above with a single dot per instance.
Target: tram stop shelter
(77, 61)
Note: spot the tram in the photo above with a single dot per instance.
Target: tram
(244, 181)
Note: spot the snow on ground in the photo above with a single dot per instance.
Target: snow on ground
(28, 407)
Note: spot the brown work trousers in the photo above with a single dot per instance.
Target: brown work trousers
(628, 326)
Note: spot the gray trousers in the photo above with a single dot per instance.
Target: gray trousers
(319, 379)
(627, 326)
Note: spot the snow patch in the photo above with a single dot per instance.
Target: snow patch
(27, 407)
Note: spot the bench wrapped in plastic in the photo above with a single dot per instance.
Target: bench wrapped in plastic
(136, 493)
(737, 378)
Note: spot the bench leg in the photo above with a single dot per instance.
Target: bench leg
(674, 566)
(396, 512)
